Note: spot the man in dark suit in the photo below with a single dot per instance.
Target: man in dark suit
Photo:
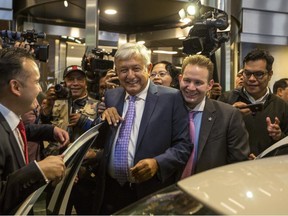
(159, 144)
(220, 135)
(19, 86)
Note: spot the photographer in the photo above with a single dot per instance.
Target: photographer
(69, 105)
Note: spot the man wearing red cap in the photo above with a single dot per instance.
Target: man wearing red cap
(74, 111)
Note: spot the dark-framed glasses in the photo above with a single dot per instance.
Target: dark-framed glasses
(160, 74)
(256, 74)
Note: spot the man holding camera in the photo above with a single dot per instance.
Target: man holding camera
(271, 124)
(70, 107)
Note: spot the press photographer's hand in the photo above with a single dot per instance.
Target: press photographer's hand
(112, 80)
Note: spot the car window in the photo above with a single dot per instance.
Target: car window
(282, 150)
(73, 158)
(278, 148)
(169, 201)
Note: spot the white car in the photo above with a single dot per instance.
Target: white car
(251, 187)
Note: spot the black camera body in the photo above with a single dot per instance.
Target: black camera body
(96, 64)
(62, 92)
(207, 32)
(41, 51)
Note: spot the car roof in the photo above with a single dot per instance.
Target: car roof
(250, 187)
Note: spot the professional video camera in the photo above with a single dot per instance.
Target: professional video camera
(41, 51)
(207, 32)
(96, 64)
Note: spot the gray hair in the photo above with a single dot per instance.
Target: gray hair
(128, 50)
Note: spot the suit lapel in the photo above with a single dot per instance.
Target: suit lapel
(207, 122)
(150, 103)
(115, 100)
(13, 142)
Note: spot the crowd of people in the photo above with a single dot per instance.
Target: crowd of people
(161, 124)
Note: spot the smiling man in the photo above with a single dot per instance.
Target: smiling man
(150, 147)
(74, 112)
(271, 124)
(216, 129)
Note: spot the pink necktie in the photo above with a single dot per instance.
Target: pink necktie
(188, 168)
(122, 143)
(22, 131)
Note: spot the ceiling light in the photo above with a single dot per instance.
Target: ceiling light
(182, 13)
(66, 3)
(165, 52)
(185, 20)
(182, 38)
(141, 42)
(110, 11)
(191, 9)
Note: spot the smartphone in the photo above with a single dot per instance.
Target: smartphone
(254, 107)
(116, 81)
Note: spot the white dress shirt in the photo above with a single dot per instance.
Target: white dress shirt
(139, 106)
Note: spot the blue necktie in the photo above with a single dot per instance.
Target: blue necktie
(121, 147)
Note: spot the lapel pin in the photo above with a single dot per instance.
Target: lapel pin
(210, 119)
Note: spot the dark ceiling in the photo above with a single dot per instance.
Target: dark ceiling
(133, 15)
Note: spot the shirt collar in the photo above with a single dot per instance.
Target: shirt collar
(199, 107)
(142, 95)
(260, 100)
(11, 118)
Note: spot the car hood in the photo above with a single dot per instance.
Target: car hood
(251, 187)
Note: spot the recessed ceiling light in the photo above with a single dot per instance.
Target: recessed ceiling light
(165, 52)
(66, 3)
(110, 11)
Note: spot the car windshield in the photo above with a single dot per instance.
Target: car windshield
(169, 201)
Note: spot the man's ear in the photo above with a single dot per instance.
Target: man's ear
(15, 87)
(270, 74)
(180, 77)
(210, 84)
(279, 92)
(149, 68)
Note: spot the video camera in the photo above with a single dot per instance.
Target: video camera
(41, 51)
(95, 66)
(204, 37)
(95, 60)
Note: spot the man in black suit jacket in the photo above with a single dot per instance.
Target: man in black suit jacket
(159, 144)
(19, 86)
(220, 134)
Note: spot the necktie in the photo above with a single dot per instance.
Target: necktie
(121, 147)
(22, 131)
(189, 166)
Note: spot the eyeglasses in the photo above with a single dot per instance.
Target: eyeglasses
(161, 74)
(256, 74)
